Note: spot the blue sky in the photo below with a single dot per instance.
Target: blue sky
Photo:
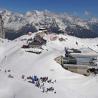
(83, 8)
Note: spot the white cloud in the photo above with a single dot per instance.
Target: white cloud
(87, 13)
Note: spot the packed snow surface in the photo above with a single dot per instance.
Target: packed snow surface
(19, 62)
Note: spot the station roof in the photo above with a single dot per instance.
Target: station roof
(85, 52)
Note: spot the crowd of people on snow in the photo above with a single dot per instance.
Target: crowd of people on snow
(43, 83)
(40, 83)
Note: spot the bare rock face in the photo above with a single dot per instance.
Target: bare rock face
(2, 33)
(81, 32)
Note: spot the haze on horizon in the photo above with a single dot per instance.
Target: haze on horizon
(82, 8)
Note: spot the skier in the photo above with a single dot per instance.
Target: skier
(35, 78)
(37, 84)
(76, 43)
(43, 88)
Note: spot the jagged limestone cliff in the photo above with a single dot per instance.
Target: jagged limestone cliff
(2, 34)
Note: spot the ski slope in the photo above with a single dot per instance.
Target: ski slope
(68, 84)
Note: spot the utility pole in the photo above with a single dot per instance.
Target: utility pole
(2, 33)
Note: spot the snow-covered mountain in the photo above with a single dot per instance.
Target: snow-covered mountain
(16, 62)
(55, 22)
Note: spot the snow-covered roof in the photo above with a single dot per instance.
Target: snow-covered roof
(85, 52)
